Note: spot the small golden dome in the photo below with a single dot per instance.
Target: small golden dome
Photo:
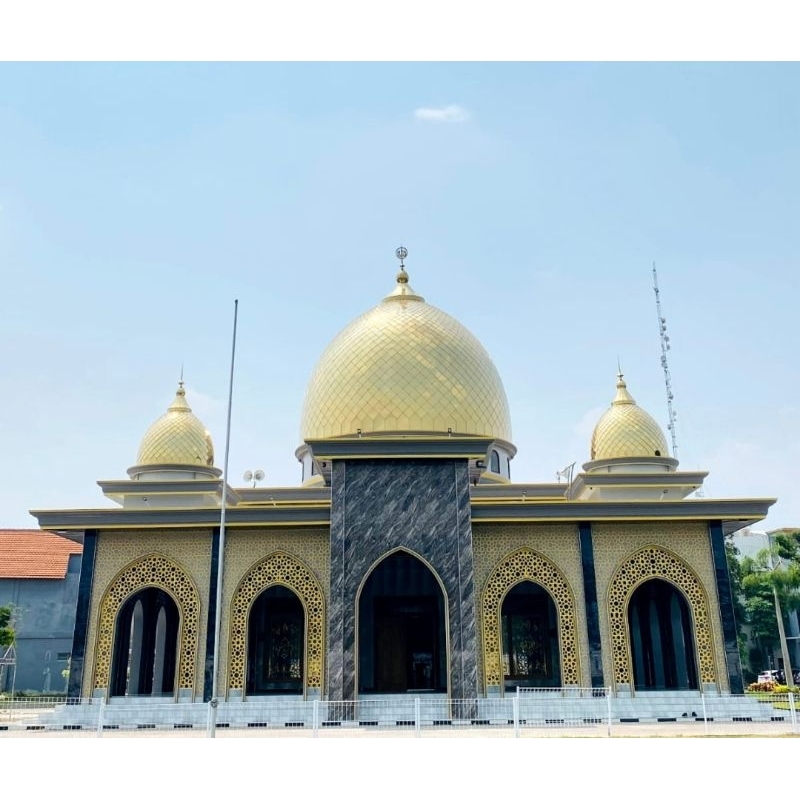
(627, 431)
(177, 438)
(405, 367)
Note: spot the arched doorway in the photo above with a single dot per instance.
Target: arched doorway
(146, 645)
(401, 629)
(275, 643)
(662, 638)
(529, 623)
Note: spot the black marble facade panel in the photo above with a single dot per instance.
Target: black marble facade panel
(211, 627)
(728, 618)
(590, 595)
(81, 631)
(378, 506)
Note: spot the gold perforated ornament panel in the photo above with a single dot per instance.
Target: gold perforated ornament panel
(284, 570)
(647, 564)
(163, 573)
(526, 565)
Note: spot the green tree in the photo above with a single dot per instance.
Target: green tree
(7, 633)
(740, 613)
(764, 577)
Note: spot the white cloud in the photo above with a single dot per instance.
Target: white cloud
(584, 427)
(451, 113)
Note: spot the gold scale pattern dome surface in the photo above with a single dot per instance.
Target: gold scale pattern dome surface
(177, 438)
(405, 366)
(626, 430)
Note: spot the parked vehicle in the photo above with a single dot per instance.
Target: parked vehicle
(777, 676)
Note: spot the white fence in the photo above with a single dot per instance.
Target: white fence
(567, 711)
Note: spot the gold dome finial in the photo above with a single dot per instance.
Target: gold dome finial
(401, 253)
(623, 396)
(403, 289)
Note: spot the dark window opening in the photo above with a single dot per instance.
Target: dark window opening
(530, 637)
(275, 642)
(495, 462)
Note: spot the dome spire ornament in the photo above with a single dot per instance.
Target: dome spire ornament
(403, 290)
(623, 396)
(402, 253)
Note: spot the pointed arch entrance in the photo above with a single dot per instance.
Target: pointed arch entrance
(290, 580)
(656, 563)
(662, 638)
(541, 584)
(275, 643)
(145, 645)
(402, 628)
(529, 623)
(156, 593)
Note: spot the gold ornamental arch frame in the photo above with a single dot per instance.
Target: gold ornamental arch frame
(278, 569)
(161, 572)
(445, 605)
(520, 566)
(649, 563)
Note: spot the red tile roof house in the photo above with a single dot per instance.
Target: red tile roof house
(39, 573)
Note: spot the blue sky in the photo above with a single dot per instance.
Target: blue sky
(137, 201)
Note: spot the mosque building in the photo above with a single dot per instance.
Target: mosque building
(406, 560)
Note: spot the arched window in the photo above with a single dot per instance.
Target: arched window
(275, 643)
(145, 645)
(530, 637)
(494, 464)
(662, 640)
(401, 625)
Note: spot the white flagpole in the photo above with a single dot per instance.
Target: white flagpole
(221, 550)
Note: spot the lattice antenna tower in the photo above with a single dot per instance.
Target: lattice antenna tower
(662, 334)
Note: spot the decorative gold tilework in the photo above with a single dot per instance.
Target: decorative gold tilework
(163, 573)
(616, 542)
(246, 547)
(648, 563)
(626, 430)
(191, 548)
(559, 543)
(526, 565)
(284, 570)
(177, 437)
(405, 366)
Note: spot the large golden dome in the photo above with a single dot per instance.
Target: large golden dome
(177, 438)
(405, 367)
(627, 431)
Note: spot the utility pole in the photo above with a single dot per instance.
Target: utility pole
(662, 335)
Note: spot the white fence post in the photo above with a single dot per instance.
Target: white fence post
(793, 712)
(100, 716)
(416, 717)
(315, 718)
(211, 719)
(705, 713)
(608, 707)
(515, 704)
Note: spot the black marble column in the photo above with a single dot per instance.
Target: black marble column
(725, 595)
(81, 631)
(380, 505)
(590, 596)
(211, 627)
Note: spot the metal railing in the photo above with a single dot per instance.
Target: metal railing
(566, 711)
